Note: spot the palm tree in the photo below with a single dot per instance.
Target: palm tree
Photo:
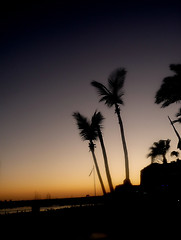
(169, 91)
(88, 133)
(159, 148)
(97, 120)
(112, 96)
(179, 138)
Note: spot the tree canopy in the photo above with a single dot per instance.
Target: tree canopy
(170, 89)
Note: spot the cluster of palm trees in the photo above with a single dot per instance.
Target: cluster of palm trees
(91, 130)
(169, 92)
(112, 95)
(161, 148)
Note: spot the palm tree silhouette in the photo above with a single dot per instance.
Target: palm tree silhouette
(159, 148)
(97, 120)
(112, 96)
(169, 91)
(88, 133)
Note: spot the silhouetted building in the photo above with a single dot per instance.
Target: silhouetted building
(162, 177)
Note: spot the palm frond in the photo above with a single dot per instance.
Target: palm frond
(169, 91)
(108, 99)
(177, 120)
(159, 148)
(97, 120)
(116, 79)
(179, 113)
(113, 94)
(120, 99)
(154, 151)
(86, 130)
(101, 89)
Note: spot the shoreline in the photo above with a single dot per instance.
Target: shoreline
(117, 217)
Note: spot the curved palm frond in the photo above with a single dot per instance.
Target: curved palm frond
(154, 151)
(107, 96)
(169, 91)
(97, 120)
(116, 83)
(178, 115)
(159, 148)
(101, 89)
(86, 130)
(109, 100)
(114, 93)
(116, 79)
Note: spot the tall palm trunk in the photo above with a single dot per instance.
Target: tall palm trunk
(105, 160)
(91, 146)
(117, 110)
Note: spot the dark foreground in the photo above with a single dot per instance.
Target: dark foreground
(117, 217)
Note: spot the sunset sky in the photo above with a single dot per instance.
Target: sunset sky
(50, 51)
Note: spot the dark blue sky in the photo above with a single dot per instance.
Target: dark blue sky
(23, 23)
(141, 27)
(49, 53)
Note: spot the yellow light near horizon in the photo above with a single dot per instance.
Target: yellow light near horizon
(64, 171)
(23, 193)
(62, 181)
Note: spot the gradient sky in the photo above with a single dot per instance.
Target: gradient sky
(50, 51)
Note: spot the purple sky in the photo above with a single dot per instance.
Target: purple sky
(49, 54)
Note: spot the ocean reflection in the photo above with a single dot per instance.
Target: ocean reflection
(42, 209)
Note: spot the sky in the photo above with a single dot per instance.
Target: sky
(50, 51)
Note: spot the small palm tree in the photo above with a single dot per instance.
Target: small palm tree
(159, 148)
(88, 133)
(112, 96)
(97, 120)
(169, 91)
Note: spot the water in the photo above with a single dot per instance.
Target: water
(15, 210)
(42, 209)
